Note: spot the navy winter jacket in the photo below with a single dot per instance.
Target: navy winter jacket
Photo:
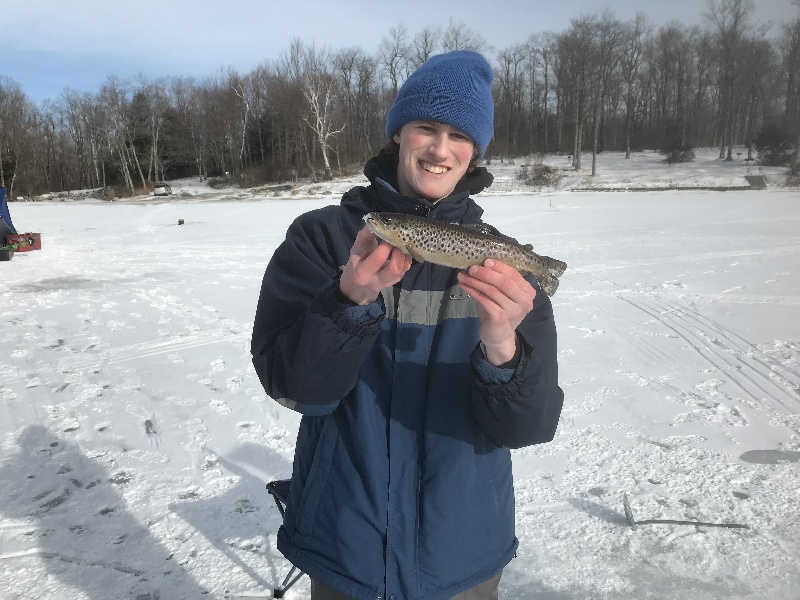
(401, 484)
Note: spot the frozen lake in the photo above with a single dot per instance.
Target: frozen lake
(679, 349)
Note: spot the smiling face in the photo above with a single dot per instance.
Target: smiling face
(433, 159)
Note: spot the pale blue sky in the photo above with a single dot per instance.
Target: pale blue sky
(49, 45)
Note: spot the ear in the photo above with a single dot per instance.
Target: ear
(396, 137)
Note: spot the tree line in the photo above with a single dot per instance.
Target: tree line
(604, 84)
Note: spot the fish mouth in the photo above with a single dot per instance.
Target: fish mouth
(372, 222)
(374, 219)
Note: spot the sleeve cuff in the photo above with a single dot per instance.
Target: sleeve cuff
(488, 373)
(358, 313)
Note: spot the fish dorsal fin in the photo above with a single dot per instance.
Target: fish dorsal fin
(483, 228)
(527, 246)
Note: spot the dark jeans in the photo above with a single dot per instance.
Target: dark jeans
(483, 591)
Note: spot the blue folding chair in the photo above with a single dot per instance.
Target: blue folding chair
(6, 226)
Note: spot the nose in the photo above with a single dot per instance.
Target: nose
(439, 146)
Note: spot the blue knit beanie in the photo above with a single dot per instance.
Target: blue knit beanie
(454, 88)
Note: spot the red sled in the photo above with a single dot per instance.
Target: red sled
(25, 241)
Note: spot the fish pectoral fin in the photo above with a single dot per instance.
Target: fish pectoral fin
(415, 254)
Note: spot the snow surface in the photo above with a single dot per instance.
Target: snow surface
(136, 440)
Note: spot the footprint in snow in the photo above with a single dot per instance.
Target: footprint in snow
(220, 406)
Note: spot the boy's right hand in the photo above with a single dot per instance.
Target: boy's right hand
(372, 266)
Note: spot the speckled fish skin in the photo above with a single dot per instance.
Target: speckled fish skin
(461, 246)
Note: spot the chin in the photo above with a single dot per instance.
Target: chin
(434, 193)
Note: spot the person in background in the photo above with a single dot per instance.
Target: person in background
(414, 380)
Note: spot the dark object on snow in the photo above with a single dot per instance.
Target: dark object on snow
(25, 242)
(770, 457)
(161, 188)
(757, 182)
(22, 242)
(6, 254)
(279, 490)
(633, 523)
(180, 221)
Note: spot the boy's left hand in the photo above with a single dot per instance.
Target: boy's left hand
(504, 298)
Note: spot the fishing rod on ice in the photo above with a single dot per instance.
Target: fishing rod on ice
(633, 522)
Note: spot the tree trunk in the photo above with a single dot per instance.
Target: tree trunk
(628, 128)
(576, 146)
(795, 169)
(323, 145)
(596, 137)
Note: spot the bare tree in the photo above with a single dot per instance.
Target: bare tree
(669, 61)
(790, 46)
(705, 66)
(345, 67)
(371, 113)
(607, 55)
(576, 48)
(114, 102)
(17, 116)
(394, 51)
(758, 70)
(458, 36)
(157, 104)
(425, 44)
(318, 86)
(184, 144)
(630, 64)
(541, 55)
(238, 85)
(730, 18)
(508, 106)
(356, 87)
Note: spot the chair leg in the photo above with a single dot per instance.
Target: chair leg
(279, 591)
(279, 490)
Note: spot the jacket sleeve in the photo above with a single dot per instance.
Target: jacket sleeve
(524, 410)
(307, 346)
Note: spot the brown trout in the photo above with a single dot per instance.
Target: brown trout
(461, 246)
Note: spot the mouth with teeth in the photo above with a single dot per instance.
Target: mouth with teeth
(435, 169)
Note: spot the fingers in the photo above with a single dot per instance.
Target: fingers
(365, 243)
(373, 265)
(385, 262)
(504, 298)
(500, 283)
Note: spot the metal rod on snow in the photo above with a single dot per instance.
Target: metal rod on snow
(633, 522)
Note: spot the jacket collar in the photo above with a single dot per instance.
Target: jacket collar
(381, 171)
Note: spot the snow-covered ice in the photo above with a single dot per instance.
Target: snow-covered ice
(136, 440)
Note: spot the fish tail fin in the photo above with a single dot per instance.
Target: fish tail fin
(553, 270)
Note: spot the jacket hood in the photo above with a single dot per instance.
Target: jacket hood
(381, 170)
